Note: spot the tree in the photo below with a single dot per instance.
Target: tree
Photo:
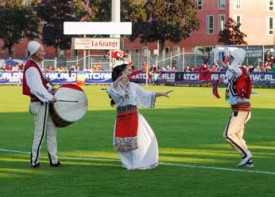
(232, 35)
(53, 13)
(17, 22)
(155, 20)
(165, 20)
(101, 10)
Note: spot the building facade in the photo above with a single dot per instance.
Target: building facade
(257, 19)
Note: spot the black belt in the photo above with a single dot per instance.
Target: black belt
(125, 108)
(33, 99)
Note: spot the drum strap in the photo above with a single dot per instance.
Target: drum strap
(126, 129)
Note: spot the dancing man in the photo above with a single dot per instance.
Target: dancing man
(239, 87)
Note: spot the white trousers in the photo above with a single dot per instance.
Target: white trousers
(44, 125)
(234, 130)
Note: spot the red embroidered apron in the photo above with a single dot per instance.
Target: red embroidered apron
(126, 129)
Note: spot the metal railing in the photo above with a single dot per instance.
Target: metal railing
(255, 57)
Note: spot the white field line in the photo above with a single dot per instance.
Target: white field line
(162, 163)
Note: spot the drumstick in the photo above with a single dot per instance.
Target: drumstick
(67, 101)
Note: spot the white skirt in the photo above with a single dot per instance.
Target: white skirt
(146, 156)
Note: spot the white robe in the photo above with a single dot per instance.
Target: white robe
(146, 156)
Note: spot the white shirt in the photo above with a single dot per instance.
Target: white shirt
(35, 84)
(133, 94)
(231, 73)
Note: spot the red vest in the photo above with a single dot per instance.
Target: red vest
(243, 84)
(25, 87)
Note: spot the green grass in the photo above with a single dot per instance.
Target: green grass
(195, 159)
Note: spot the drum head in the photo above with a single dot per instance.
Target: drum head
(71, 102)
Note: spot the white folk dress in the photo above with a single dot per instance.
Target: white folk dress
(146, 156)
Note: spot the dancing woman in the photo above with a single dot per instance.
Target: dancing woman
(134, 140)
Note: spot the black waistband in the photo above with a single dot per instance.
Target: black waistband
(33, 99)
(125, 108)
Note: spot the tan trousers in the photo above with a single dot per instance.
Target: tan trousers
(234, 130)
(44, 125)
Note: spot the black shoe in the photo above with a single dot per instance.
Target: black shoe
(36, 166)
(58, 164)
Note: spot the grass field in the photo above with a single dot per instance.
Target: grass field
(195, 160)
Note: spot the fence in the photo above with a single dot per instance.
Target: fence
(255, 56)
(178, 61)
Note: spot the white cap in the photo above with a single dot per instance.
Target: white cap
(33, 46)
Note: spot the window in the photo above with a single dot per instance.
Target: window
(145, 51)
(270, 25)
(136, 51)
(237, 4)
(199, 2)
(176, 50)
(221, 22)
(271, 5)
(238, 19)
(221, 4)
(210, 24)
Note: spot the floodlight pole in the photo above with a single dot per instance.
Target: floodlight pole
(84, 57)
(115, 18)
(113, 29)
(115, 14)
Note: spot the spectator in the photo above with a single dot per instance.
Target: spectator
(71, 70)
(3, 67)
(250, 68)
(269, 59)
(214, 68)
(174, 68)
(187, 69)
(204, 72)
(195, 68)
(257, 69)
(267, 67)
(9, 67)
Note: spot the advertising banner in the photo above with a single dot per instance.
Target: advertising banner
(259, 79)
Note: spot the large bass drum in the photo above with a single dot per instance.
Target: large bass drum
(71, 105)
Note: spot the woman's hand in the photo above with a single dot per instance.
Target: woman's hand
(168, 92)
(165, 94)
(122, 78)
(220, 62)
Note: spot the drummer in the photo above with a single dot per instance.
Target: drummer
(41, 95)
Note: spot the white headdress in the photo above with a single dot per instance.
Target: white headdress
(33, 46)
(239, 55)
